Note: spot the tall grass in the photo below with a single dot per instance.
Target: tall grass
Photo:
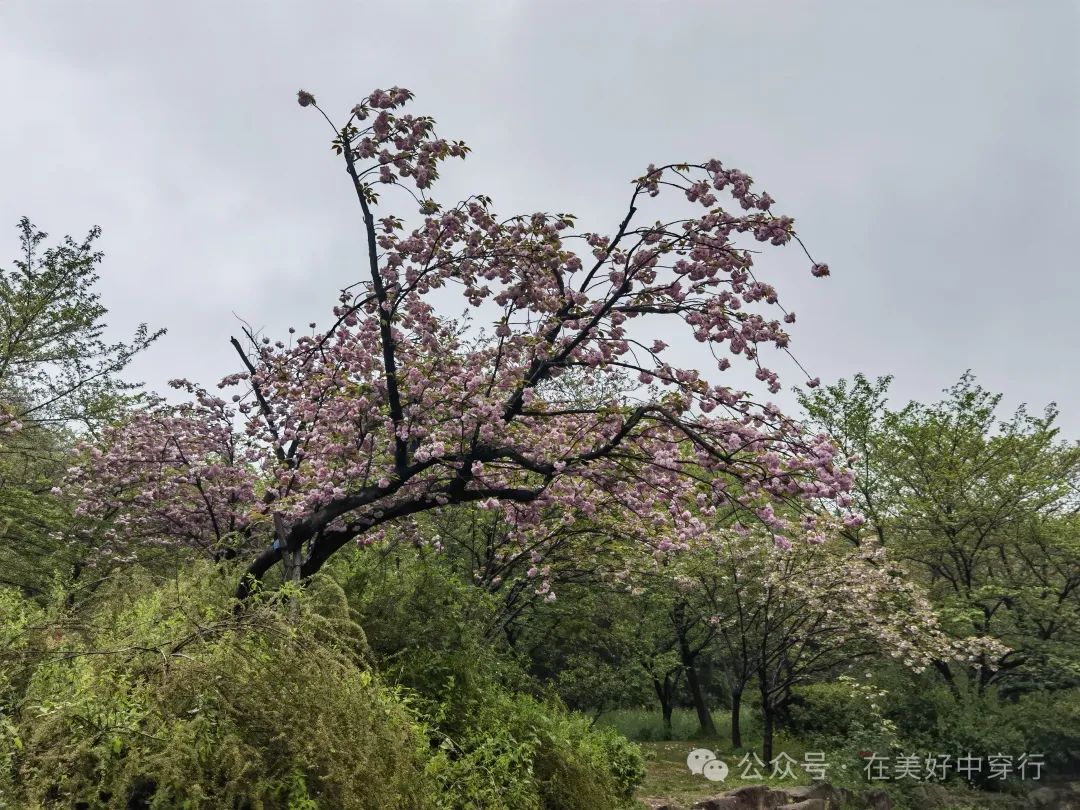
(647, 725)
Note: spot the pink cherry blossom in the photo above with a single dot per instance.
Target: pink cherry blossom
(397, 409)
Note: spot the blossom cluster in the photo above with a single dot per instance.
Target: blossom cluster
(395, 409)
(169, 476)
(856, 596)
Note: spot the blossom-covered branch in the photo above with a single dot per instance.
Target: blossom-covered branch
(397, 410)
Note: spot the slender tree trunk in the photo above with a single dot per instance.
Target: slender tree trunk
(767, 711)
(736, 708)
(946, 674)
(664, 691)
(705, 721)
(511, 636)
(687, 657)
(291, 559)
(767, 733)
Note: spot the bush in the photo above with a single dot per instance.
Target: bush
(1051, 725)
(921, 714)
(847, 716)
(159, 698)
(428, 632)
(156, 695)
(1045, 723)
(524, 753)
(500, 742)
(821, 711)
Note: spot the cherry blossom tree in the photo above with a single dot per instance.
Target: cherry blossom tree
(396, 410)
(790, 616)
(168, 477)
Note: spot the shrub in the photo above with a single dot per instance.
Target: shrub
(1045, 723)
(821, 711)
(1051, 725)
(524, 753)
(428, 632)
(499, 741)
(159, 698)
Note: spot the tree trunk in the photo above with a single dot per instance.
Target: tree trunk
(767, 712)
(687, 657)
(291, 559)
(705, 721)
(767, 733)
(736, 708)
(946, 674)
(664, 690)
(291, 562)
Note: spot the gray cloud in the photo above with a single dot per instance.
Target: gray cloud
(927, 151)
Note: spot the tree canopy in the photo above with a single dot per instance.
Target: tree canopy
(397, 410)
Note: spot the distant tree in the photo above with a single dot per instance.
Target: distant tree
(786, 616)
(55, 365)
(984, 513)
(851, 415)
(693, 636)
(31, 461)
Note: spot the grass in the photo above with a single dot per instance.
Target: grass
(667, 776)
(646, 725)
(668, 779)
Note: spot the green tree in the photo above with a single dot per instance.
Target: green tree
(983, 512)
(58, 377)
(55, 364)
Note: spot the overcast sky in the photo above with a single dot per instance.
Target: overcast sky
(928, 151)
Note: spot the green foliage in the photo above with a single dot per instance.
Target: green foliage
(1050, 722)
(593, 646)
(519, 752)
(160, 698)
(58, 376)
(982, 511)
(55, 365)
(931, 717)
(497, 745)
(155, 694)
(896, 712)
(822, 711)
(428, 631)
(646, 724)
(848, 715)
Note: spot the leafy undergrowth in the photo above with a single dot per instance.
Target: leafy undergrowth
(157, 696)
